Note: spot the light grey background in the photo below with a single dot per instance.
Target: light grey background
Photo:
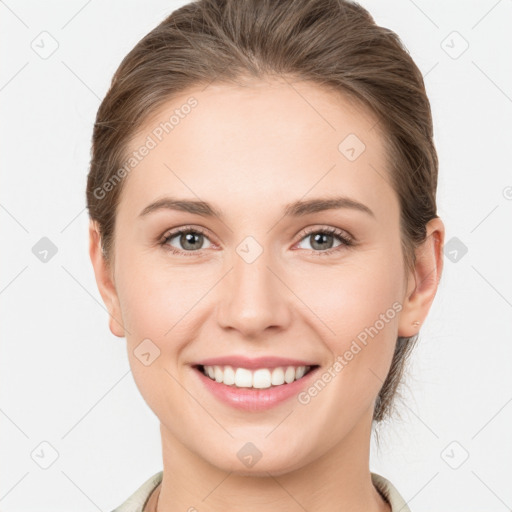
(65, 379)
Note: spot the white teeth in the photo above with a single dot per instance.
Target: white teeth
(243, 378)
(259, 379)
(289, 374)
(277, 376)
(229, 376)
(301, 370)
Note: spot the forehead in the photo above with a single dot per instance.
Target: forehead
(266, 139)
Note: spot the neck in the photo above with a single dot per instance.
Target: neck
(336, 481)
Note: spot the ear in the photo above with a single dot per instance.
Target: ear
(104, 280)
(423, 280)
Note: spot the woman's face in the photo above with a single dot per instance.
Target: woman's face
(261, 280)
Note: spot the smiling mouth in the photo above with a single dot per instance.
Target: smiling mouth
(262, 378)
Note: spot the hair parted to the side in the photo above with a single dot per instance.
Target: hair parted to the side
(333, 43)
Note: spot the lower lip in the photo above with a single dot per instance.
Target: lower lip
(251, 399)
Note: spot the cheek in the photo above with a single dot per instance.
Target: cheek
(350, 297)
(357, 307)
(152, 298)
(160, 308)
(154, 312)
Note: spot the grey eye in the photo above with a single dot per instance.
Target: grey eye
(188, 240)
(320, 240)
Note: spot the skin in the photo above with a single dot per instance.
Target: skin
(250, 151)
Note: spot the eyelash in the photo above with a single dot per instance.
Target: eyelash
(346, 241)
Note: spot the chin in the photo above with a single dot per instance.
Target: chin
(263, 467)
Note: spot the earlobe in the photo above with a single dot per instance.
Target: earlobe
(104, 281)
(423, 281)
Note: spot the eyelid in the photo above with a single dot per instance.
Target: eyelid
(342, 233)
(176, 231)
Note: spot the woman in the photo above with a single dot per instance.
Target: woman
(264, 234)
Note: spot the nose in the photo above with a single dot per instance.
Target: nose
(254, 297)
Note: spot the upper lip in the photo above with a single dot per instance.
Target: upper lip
(253, 363)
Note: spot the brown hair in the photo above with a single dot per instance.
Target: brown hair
(333, 43)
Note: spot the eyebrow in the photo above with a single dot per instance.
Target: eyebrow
(295, 209)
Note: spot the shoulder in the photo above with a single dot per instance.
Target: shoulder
(136, 501)
(390, 493)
